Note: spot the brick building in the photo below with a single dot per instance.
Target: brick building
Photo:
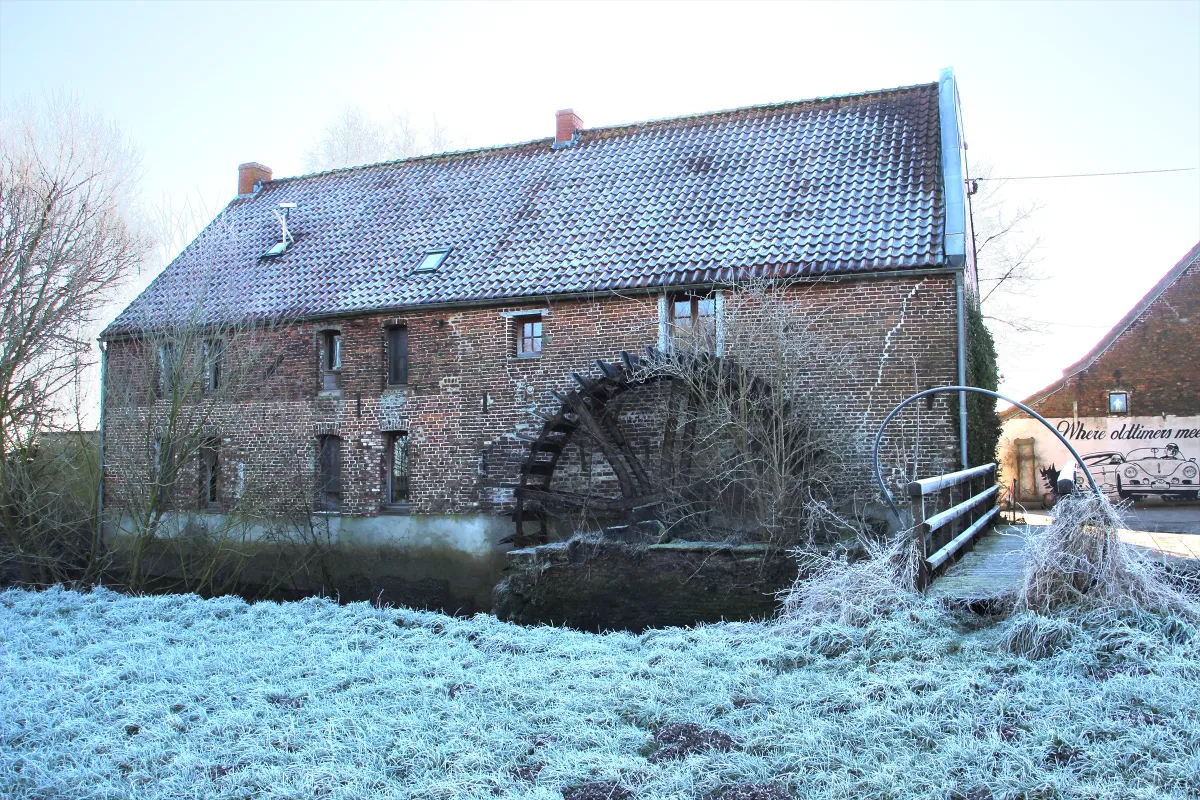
(424, 307)
(1131, 406)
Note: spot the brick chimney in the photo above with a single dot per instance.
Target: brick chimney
(250, 175)
(567, 125)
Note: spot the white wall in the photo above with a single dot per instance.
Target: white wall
(1153, 450)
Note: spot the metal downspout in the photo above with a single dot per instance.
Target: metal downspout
(98, 537)
(962, 369)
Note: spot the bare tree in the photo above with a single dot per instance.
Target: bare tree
(764, 452)
(353, 138)
(732, 435)
(1007, 255)
(67, 179)
(187, 505)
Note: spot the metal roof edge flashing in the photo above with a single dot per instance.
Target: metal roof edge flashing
(564, 145)
(953, 170)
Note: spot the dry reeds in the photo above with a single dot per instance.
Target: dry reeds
(1079, 559)
(840, 590)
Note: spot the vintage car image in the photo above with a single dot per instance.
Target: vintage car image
(1104, 467)
(1147, 472)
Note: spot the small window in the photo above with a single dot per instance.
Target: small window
(213, 351)
(333, 350)
(329, 473)
(397, 468)
(433, 259)
(397, 343)
(210, 476)
(332, 360)
(693, 317)
(529, 336)
(1118, 402)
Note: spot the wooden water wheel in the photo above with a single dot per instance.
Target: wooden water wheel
(635, 465)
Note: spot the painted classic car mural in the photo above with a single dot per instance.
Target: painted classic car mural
(1151, 459)
(1144, 472)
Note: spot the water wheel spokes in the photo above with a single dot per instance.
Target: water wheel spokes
(590, 417)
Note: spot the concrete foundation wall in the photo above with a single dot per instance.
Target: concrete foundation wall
(447, 562)
(606, 585)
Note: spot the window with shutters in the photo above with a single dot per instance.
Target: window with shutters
(329, 473)
(397, 346)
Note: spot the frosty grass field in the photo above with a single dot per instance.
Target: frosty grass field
(107, 696)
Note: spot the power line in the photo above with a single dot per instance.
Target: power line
(1088, 174)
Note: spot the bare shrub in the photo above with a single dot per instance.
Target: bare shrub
(846, 590)
(189, 511)
(50, 497)
(1079, 559)
(761, 452)
(1035, 637)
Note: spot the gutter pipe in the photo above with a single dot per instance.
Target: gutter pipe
(962, 368)
(98, 537)
(954, 175)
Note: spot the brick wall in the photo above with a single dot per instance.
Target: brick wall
(899, 335)
(1154, 361)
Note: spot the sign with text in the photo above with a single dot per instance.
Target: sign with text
(1130, 457)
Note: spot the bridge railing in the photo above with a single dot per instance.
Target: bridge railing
(972, 508)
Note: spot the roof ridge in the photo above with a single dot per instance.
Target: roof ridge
(1139, 308)
(606, 129)
(1110, 338)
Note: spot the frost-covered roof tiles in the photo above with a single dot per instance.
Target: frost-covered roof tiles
(836, 185)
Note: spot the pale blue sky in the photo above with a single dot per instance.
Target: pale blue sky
(1046, 88)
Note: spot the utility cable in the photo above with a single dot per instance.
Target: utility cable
(1088, 174)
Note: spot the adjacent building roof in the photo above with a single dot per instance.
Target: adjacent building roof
(1128, 321)
(827, 186)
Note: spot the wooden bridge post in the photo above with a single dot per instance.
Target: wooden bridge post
(916, 499)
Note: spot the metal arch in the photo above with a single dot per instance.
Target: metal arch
(951, 389)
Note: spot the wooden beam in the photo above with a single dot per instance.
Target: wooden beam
(963, 508)
(931, 485)
(955, 544)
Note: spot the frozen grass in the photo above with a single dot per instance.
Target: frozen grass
(152, 697)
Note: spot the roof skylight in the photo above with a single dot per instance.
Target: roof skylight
(433, 259)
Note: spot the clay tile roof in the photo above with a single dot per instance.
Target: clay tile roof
(826, 186)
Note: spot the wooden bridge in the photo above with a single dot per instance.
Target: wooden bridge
(964, 566)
